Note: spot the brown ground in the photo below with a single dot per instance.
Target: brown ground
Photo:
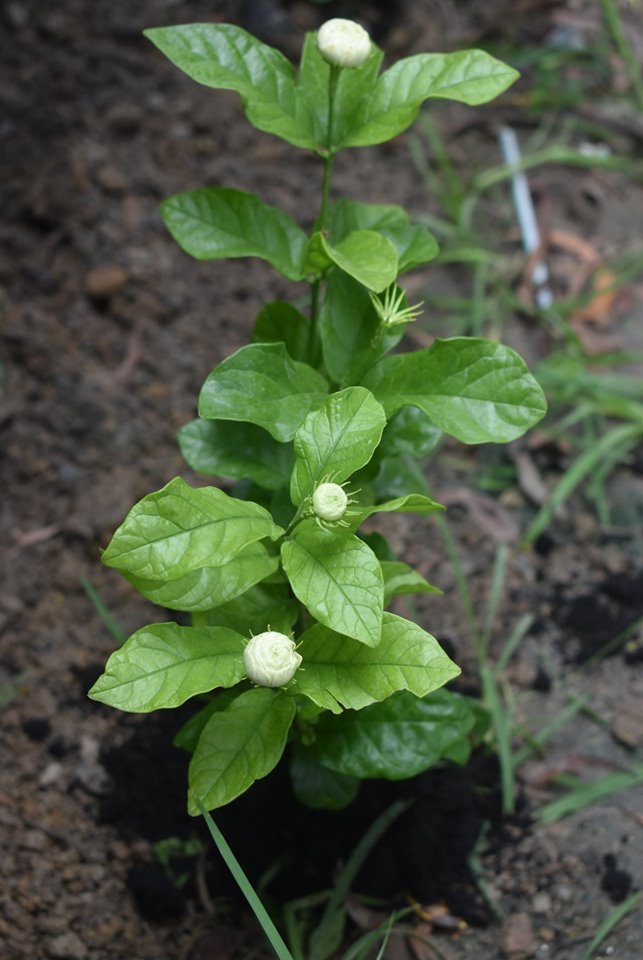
(108, 332)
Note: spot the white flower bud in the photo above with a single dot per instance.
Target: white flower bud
(343, 43)
(270, 659)
(329, 501)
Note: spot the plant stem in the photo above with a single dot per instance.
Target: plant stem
(313, 333)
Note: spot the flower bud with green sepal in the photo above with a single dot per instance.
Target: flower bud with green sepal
(343, 43)
(270, 659)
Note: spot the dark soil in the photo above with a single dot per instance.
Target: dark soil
(108, 331)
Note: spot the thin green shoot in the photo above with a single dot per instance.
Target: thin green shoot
(607, 925)
(496, 591)
(103, 613)
(519, 632)
(623, 438)
(587, 794)
(270, 930)
(475, 866)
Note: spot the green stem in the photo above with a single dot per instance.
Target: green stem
(314, 348)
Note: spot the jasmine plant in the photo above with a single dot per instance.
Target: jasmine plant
(291, 643)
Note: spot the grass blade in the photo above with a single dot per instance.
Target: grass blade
(246, 887)
(589, 793)
(610, 922)
(103, 613)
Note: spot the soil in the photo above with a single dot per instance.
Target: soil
(108, 331)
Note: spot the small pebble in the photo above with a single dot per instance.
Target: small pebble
(68, 946)
(101, 283)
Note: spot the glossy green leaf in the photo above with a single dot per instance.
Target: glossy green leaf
(468, 76)
(399, 477)
(341, 673)
(281, 322)
(226, 57)
(350, 330)
(317, 786)
(336, 440)
(210, 586)
(239, 745)
(214, 223)
(261, 384)
(475, 390)
(260, 608)
(163, 665)
(221, 448)
(179, 529)
(338, 579)
(395, 739)
(400, 578)
(410, 433)
(367, 256)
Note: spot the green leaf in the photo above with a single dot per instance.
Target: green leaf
(475, 390)
(410, 433)
(353, 87)
(226, 57)
(188, 735)
(258, 609)
(342, 673)
(261, 384)
(317, 786)
(409, 503)
(338, 579)
(400, 578)
(399, 477)
(346, 215)
(413, 243)
(178, 529)
(238, 450)
(210, 586)
(281, 322)
(395, 739)
(214, 223)
(163, 665)
(336, 440)
(350, 330)
(239, 745)
(469, 76)
(365, 255)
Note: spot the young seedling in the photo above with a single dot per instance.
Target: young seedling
(291, 642)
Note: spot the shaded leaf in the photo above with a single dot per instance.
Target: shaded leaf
(238, 450)
(400, 578)
(317, 786)
(278, 322)
(395, 739)
(260, 608)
